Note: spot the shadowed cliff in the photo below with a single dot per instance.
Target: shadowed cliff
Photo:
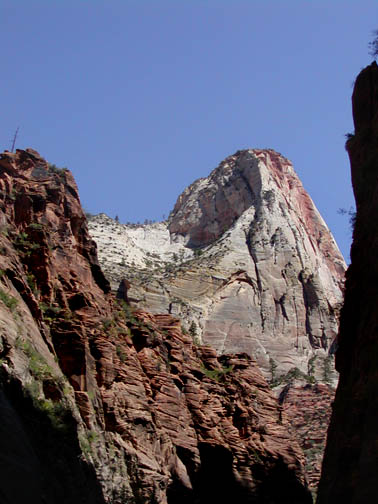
(350, 466)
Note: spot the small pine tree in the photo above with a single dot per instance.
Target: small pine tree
(273, 367)
(327, 369)
(373, 45)
(193, 331)
(311, 366)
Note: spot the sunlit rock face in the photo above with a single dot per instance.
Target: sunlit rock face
(246, 256)
(351, 457)
(103, 404)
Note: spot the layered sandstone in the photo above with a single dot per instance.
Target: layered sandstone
(308, 410)
(246, 256)
(102, 403)
(351, 459)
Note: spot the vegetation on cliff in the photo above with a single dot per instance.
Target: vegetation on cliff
(102, 403)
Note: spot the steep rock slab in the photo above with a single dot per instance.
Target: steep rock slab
(104, 404)
(351, 458)
(291, 279)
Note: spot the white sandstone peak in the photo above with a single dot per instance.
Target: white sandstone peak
(246, 256)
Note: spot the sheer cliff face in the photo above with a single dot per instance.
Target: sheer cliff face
(283, 289)
(101, 403)
(254, 265)
(351, 459)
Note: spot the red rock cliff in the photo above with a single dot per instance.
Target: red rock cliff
(350, 464)
(104, 404)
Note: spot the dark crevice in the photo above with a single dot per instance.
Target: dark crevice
(41, 463)
(252, 253)
(282, 305)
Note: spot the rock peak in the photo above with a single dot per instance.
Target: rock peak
(249, 233)
(248, 178)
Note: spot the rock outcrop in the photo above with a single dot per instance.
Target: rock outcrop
(103, 403)
(351, 458)
(308, 410)
(246, 256)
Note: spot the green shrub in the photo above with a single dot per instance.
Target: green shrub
(293, 374)
(184, 330)
(86, 440)
(311, 366)
(9, 301)
(273, 367)
(21, 242)
(36, 225)
(37, 364)
(193, 329)
(327, 369)
(128, 311)
(56, 412)
(30, 278)
(55, 169)
(21, 239)
(50, 312)
(217, 374)
(4, 229)
(107, 323)
(121, 353)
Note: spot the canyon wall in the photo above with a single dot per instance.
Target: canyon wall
(105, 403)
(246, 257)
(351, 459)
(248, 265)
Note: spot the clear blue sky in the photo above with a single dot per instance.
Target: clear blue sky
(139, 98)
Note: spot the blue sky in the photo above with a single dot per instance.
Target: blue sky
(140, 98)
